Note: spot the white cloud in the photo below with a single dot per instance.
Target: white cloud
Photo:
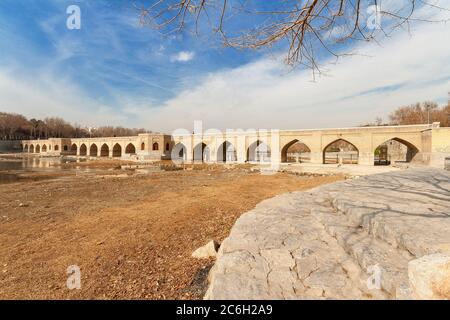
(263, 94)
(403, 70)
(46, 96)
(183, 56)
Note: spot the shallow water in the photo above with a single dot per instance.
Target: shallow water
(13, 168)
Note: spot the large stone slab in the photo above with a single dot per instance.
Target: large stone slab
(325, 243)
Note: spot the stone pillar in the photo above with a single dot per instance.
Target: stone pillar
(241, 150)
(316, 157)
(213, 150)
(188, 143)
(366, 158)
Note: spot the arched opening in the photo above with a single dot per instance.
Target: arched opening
(117, 150)
(179, 152)
(66, 148)
(340, 151)
(25, 149)
(296, 151)
(38, 149)
(56, 147)
(130, 149)
(258, 151)
(155, 146)
(50, 147)
(104, 150)
(93, 150)
(73, 149)
(44, 148)
(202, 153)
(167, 146)
(142, 146)
(226, 152)
(394, 150)
(31, 150)
(83, 150)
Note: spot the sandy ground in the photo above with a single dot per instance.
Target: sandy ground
(131, 235)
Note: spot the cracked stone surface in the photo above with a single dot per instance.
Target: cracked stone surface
(324, 243)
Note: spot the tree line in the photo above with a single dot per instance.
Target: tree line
(16, 127)
(418, 113)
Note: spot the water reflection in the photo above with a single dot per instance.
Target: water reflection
(11, 167)
(33, 163)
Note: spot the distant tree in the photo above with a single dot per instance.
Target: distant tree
(419, 113)
(16, 126)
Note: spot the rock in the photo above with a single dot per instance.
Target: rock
(207, 251)
(429, 277)
(325, 242)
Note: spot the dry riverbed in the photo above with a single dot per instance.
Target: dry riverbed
(131, 234)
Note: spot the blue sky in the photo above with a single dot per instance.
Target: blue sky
(111, 52)
(114, 72)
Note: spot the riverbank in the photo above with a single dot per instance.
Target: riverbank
(130, 232)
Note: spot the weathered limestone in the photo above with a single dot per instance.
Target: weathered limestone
(209, 250)
(331, 241)
(429, 277)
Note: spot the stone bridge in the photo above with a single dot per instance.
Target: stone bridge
(427, 144)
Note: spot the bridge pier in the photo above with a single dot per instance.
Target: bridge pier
(366, 158)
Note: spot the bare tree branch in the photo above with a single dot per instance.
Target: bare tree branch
(307, 26)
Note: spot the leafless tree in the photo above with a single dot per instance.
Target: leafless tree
(305, 25)
(420, 113)
(16, 126)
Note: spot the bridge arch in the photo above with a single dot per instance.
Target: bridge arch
(130, 149)
(93, 150)
(295, 151)
(44, 148)
(226, 152)
(258, 151)
(38, 149)
(117, 150)
(25, 148)
(104, 150)
(31, 149)
(202, 152)
(394, 150)
(340, 151)
(83, 150)
(179, 152)
(73, 149)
